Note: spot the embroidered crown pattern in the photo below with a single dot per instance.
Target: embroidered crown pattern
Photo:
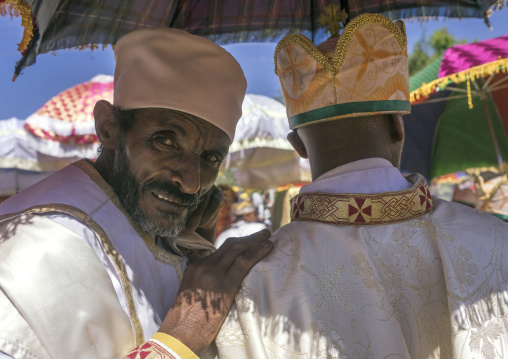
(363, 209)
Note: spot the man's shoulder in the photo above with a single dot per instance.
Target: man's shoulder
(457, 212)
(69, 187)
(47, 190)
(35, 225)
(287, 241)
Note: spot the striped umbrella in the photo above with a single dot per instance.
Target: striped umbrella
(57, 24)
(459, 116)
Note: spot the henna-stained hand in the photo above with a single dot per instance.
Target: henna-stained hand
(208, 289)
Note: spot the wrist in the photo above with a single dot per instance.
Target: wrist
(174, 346)
(194, 334)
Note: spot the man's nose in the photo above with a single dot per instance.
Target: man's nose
(186, 173)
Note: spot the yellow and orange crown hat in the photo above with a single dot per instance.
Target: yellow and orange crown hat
(364, 71)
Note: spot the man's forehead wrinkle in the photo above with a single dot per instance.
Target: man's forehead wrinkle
(188, 126)
(171, 120)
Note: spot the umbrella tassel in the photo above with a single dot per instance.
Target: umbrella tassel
(26, 21)
(469, 98)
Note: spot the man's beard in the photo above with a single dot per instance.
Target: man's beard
(129, 192)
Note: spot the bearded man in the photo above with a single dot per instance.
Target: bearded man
(370, 265)
(94, 260)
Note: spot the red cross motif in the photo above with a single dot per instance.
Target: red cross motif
(298, 205)
(425, 198)
(141, 352)
(363, 211)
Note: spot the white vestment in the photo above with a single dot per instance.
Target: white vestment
(433, 285)
(78, 279)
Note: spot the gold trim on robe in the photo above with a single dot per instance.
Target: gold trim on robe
(116, 259)
(158, 253)
(363, 209)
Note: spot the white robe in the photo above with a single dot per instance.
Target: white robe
(78, 279)
(434, 286)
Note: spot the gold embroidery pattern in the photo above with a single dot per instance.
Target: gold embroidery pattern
(328, 287)
(158, 253)
(486, 322)
(367, 63)
(483, 339)
(363, 209)
(333, 65)
(330, 343)
(116, 259)
(465, 270)
(407, 279)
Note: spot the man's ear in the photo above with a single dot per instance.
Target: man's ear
(397, 128)
(297, 144)
(106, 124)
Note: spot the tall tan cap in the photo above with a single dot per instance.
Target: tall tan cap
(169, 68)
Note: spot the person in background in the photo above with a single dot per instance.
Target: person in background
(225, 217)
(247, 223)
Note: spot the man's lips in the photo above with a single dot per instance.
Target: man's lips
(170, 202)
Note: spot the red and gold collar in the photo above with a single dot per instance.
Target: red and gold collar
(363, 209)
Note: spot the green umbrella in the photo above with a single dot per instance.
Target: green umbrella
(459, 111)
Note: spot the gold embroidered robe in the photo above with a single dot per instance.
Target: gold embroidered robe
(432, 286)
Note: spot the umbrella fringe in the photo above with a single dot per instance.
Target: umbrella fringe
(424, 91)
(469, 99)
(20, 7)
(92, 47)
(16, 8)
(8, 9)
(500, 4)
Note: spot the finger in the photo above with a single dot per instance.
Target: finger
(242, 265)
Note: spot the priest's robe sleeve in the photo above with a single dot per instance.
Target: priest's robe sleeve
(56, 298)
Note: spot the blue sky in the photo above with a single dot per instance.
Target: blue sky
(53, 74)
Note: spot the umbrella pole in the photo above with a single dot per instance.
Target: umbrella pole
(16, 179)
(483, 99)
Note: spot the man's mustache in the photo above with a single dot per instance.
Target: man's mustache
(170, 190)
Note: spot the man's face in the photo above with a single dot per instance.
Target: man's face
(164, 165)
(250, 217)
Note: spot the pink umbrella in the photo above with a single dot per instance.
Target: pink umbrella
(64, 126)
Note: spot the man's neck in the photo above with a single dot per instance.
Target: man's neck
(325, 164)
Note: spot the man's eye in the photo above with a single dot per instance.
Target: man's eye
(212, 157)
(165, 140)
